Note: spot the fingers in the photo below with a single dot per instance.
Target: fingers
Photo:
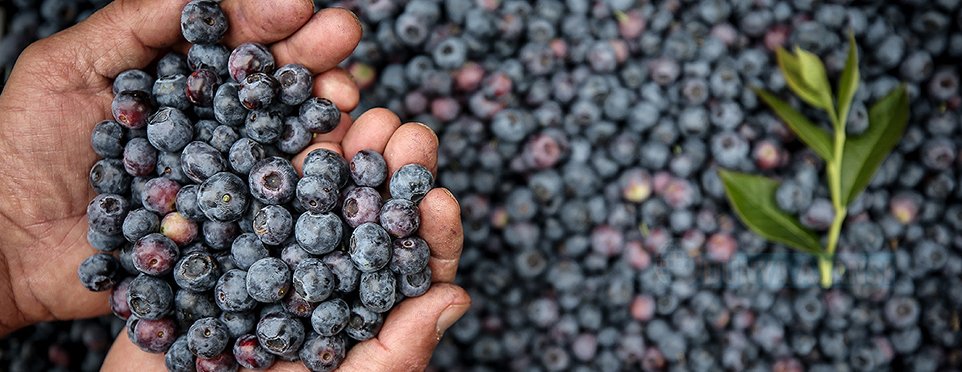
(412, 143)
(441, 229)
(125, 356)
(338, 86)
(129, 33)
(411, 332)
(264, 22)
(372, 130)
(329, 37)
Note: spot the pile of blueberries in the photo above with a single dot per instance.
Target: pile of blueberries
(215, 250)
(582, 138)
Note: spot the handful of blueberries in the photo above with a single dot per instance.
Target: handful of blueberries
(216, 252)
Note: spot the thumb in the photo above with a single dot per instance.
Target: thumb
(411, 331)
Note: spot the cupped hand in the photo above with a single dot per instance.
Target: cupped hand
(61, 86)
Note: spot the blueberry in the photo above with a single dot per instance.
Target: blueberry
(222, 197)
(319, 115)
(99, 272)
(249, 58)
(317, 194)
(280, 334)
(106, 213)
(400, 217)
(295, 83)
(190, 306)
(132, 108)
(247, 249)
(244, 154)
(295, 304)
(294, 137)
(370, 247)
(257, 91)
(207, 337)
(250, 354)
(273, 224)
(219, 235)
(179, 228)
(160, 195)
(346, 275)
(171, 91)
(211, 57)
(293, 254)
(228, 109)
(118, 299)
(149, 297)
(201, 86)
(155, 255)
(313, 280)
(220, 362)
(107, 139)
(411, 182)
(793, 197)
(819, 215)
(330, 317)
(179, 357)
(318, 233)
(368, 168)
(264, 126)
(414, 285)
(273, 181)
(140, 157)
(268, 280)
(361, 205)
(203, 22)
(154, 335)
(169, 129)
(238, 323)
(172, 64)
(199, 161)
(187, 204)
(323, 353)
(364, 323)
(328, 164)
(230, 292)
(197, 271)
(108, 176)
(169, 166)
(409, 255)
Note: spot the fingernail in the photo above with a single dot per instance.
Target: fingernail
(449, 316)
(456, 201)
(429, 129)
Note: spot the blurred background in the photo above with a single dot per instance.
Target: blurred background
(582, 138)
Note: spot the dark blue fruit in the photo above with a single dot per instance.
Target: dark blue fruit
(370, 247)
(99, 272)
(203, 22)
(295, 83)
(223, 197)
(319, 115)
(318, 233)
(411, 182)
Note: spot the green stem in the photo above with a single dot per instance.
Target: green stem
(834, 170)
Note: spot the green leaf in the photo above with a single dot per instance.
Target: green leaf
(848, 81)
(816, 138)
(798, 73)
(813, 71)
(753, 198)
(864, 153)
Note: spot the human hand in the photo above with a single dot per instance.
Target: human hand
(61, 87)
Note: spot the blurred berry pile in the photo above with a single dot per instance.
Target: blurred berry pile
(582, 139)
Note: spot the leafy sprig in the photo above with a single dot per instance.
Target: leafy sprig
(851, 162)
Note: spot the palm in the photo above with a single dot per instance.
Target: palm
(48, 107)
